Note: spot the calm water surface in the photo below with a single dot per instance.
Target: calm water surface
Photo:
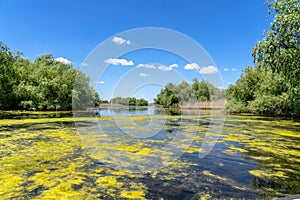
(42, 156)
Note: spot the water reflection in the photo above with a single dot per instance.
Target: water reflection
(119, 110)
(153, 110)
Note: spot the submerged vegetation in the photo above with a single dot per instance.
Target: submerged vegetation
(272, 86)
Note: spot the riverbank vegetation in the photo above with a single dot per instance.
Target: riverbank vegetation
(129, 101)
(272, 86)
(177, 95)
(44, 84)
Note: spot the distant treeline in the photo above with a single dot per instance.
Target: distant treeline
(130, 101)
(176, 95)
(44, 84)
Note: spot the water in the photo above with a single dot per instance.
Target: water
(43, 157)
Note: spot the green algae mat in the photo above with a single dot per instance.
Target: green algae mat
(42, 156)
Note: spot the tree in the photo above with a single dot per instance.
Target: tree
(7, 77)
(183, 93)
(129, 101)
(279, 51)
(44, 84)
(273, 85)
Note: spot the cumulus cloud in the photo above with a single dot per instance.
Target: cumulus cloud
(160, 67)
(201, 70)
(116, 61)
(84, 64)
(208, 70)
(100, 82)
(120, 41)
(232, 69)
(173, 65)
(192, 66)
(167, 68)
(149, 66)
(143, 74)
(63, 60)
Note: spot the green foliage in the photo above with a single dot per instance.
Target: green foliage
(183, 93)
(44, 84)
(272, 86)
(103, 101)
(280, 50)
(7, 74)
(166, 97)
(129, 101)
(236, 106)
(259, 91)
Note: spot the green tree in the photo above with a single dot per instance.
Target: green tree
(129, 101)
(7, 77)
(183, 93)
(279, 51)
(44, 84)
(273, 85)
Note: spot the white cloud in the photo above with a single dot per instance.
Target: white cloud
(201, 70)
(63, 60)
(160, 67)
(149, 66)
(208, 70)
(143, 74)
(229, 83)
(100, 82)
(232, 69)
(116, 61)
(167, 68)
(192, 66)
(84, 64)
(119, 40)
(173, 65)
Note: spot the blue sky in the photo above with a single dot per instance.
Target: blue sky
(227, 30)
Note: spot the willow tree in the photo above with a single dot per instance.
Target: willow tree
(279, 51)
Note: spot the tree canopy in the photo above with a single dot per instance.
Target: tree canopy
(183, 93)
(44, 84)
(129, 101)
(273, 85)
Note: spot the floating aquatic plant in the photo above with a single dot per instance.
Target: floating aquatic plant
(45, 158)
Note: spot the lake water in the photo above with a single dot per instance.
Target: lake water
(147, 154)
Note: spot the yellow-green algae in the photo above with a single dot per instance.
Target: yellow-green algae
(47, 163)
(275, 146)
(47, 160)
(50, 164)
